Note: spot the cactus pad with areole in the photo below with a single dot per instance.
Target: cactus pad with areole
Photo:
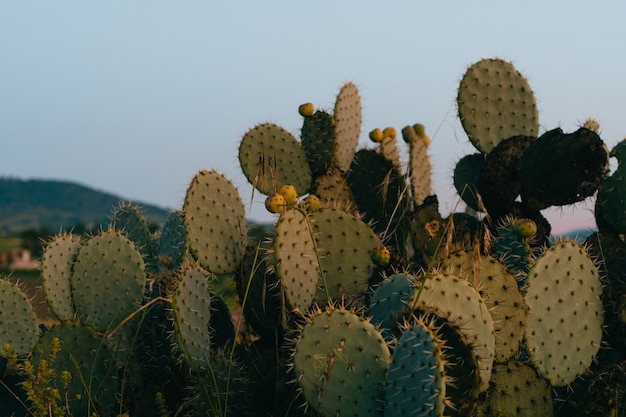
(271, 157)
(340, 361)
(215, 222)
(495, 102)
(17, 319)
(347, 125)
(56, 271)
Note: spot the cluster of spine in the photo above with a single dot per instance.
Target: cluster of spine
(363, 300)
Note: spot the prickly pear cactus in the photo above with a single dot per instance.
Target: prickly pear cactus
(344, 246)
(191, 308)
(454, 299)
(416, 381)
(466, 176)
(347, 125)
(128, 219)
(389, 302)
(271, 157)
(108, 281)
(318, 141)
(56, 271)
(215, 222)
(296, 258)
(565, 314)
(17, 320)
(495, 102)
(611, 202)
(340, 362)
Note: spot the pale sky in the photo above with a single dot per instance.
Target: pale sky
(133, 97)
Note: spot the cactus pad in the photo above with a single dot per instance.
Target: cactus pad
(215, 222)
(454, 299)
(389, 301)
(318, 141)
(56, 272)
(495, 102)
(108, 280)
(17, 319)
(416, 382)
(347, 125)
(565, 314)
(340, 361)
(297, 263)
(191, 306)
(344, 244)
(271, 157)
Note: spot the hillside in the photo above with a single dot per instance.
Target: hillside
(54, 204)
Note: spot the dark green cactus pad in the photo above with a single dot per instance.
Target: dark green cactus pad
(416, 381)
(565, 314)
(347, 116)
(192, 311)
(87, 357)
(510, 248)
(498, 288)
(318, 141)
(495, 102)
(271, 157)
(389, 302)
(466, 175)
(129, 219)
(559, 169)
(611, 201)
(428, 229)
(517, 390)
(17, 319)
(382, 196)
(333, 190)
(171, 246)
(344, 244)
(499, 183)
(108, 280)
(296, 259)
(340, 361)
(215, 222)
(457, 301)
(56, 272)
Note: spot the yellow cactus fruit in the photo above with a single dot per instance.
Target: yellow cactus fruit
(312, 203)
(275, 203)
(289, 193)
(381, 256)
(376, 135)
(389, 132)
(306, 109)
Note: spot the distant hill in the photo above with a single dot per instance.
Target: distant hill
(53, 204)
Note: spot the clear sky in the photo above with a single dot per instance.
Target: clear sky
(133, 97)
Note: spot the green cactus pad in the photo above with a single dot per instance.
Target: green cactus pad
(17, 320)
(611, 201)
(517, 390)
(389, 301)
(585, 163)
(108, 280)
(466, 175)
(56, 271)
(565, 314)
(347, 125)
(271, 157)
(454, 299)
(88, 359)
(340, 361)
(191, 307)
(495, 102)
(416, 381)
(344, 245)
(297, 262)
(318, 141)
(513, 250)
(215, 222)
(499, 290)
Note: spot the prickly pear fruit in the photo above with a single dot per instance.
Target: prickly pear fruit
(306, 109)
(381, 256)
(290, 194)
